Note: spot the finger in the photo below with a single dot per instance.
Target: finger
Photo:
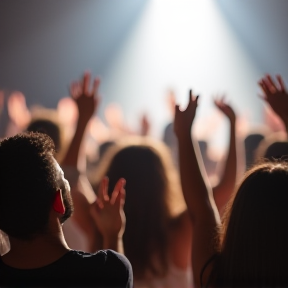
(72, 89)
(118, 200)
(123, 196)
(78, 89)
(105, 189)
(99, 203)
(177, 109)
(281, 83)
(95, 88)
(262, 97)
(86, 82)
(270, 83)
(264, 87)
(119, 185)
(190, 96)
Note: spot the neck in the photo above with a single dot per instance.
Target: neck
(40, 251)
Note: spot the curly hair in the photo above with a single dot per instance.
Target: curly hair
(28, 183)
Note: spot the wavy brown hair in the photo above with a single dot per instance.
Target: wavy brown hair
(253, 247)
(153, 199)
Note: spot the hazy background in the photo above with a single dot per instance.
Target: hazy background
(141, 48)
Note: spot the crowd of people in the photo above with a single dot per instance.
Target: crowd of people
(84, 204)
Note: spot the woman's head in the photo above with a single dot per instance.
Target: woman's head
(254, 242)
(151, 183)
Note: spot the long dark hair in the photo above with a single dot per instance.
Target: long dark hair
(149, 193)
(253, 247)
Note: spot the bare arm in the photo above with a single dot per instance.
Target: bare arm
(87, 102)
(198, 196)
(227, 182)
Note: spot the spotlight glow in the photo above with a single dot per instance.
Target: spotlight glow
(181, 44)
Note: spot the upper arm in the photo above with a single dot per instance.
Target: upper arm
(85, 222)
(204, 241)
(181, 241)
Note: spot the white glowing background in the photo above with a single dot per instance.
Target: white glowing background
(182, 44)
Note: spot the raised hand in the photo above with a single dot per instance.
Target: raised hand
(275, 95)
(145, 125)
(108, 211)
(86, 98)
(18, 110)
(226, 109)
(183, 119)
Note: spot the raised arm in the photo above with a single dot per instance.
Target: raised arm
(227, 181)
(198, 196)
(87, 100)
(276, 96)
(109, 215)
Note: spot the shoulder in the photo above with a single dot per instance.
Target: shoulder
(75, 269)
(110, 265)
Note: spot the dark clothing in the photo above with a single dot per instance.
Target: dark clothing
(75, 269)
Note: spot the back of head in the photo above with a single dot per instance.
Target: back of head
(147, 209)
(254, 248)
(47, 127)
(27, 184)
(251, 143)
(277, 150)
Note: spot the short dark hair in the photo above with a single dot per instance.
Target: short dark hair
(48, 127)
(28, 184)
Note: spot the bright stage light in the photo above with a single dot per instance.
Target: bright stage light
(181, 44)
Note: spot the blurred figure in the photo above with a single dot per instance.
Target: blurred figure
(80, 231)
(157, 235)
(250, 248)
(251, 143)
(210, 164)
(35, 201)
(273, 147)
(169, 137)
(145, 125)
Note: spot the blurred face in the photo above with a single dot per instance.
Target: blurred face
(66, 194)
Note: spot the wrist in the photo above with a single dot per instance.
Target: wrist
(112, 242)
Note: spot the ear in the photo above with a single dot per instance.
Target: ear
(58, 204)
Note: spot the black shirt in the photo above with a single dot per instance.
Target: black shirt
(75, 269)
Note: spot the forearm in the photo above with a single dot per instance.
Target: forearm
(71, 157)
(227, 182)
(195, 190)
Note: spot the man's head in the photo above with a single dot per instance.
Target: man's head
(30, 180)
(49, 127)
